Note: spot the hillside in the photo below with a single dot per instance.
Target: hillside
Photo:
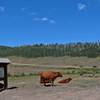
(88, 49)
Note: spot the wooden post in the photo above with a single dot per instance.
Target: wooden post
(5, 78)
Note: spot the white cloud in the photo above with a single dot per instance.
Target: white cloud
(52, 21)
(81, 6)
(2, 9)
(44, 19)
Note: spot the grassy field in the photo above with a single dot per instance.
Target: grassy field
(24, 83)
(58, 61)
(77, 81)
(67, 65)
(76, 67)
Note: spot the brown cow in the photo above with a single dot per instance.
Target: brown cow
(65, 81)
(49, 77)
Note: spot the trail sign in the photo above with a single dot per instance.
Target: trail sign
(3, 71)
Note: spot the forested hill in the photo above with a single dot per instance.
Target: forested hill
(89, 49)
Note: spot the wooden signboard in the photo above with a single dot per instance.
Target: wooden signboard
(3, 72)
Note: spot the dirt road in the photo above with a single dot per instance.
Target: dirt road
(50, 93)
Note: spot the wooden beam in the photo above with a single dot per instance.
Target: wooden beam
(5, 78)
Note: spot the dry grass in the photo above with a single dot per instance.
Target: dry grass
(80, 88)
(35, 65)
(30, 89)
(59, 61)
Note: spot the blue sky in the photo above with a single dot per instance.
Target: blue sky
(25, 22)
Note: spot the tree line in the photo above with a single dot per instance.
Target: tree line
(88, 49)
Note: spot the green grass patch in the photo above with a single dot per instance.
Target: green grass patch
(22, 75)
(80, 71)
(64, 71)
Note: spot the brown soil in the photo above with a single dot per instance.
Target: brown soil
(30, 89)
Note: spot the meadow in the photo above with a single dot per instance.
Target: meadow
(24, 80)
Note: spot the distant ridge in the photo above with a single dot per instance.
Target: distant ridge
(88, 49)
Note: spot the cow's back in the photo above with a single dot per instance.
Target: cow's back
(47, 74)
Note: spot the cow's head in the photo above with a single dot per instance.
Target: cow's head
(58, 74)
(69, 79)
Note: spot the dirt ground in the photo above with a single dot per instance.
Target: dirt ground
(28, 88)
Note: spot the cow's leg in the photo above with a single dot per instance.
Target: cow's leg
(46, 82)
(52, 82)
(41, 81)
